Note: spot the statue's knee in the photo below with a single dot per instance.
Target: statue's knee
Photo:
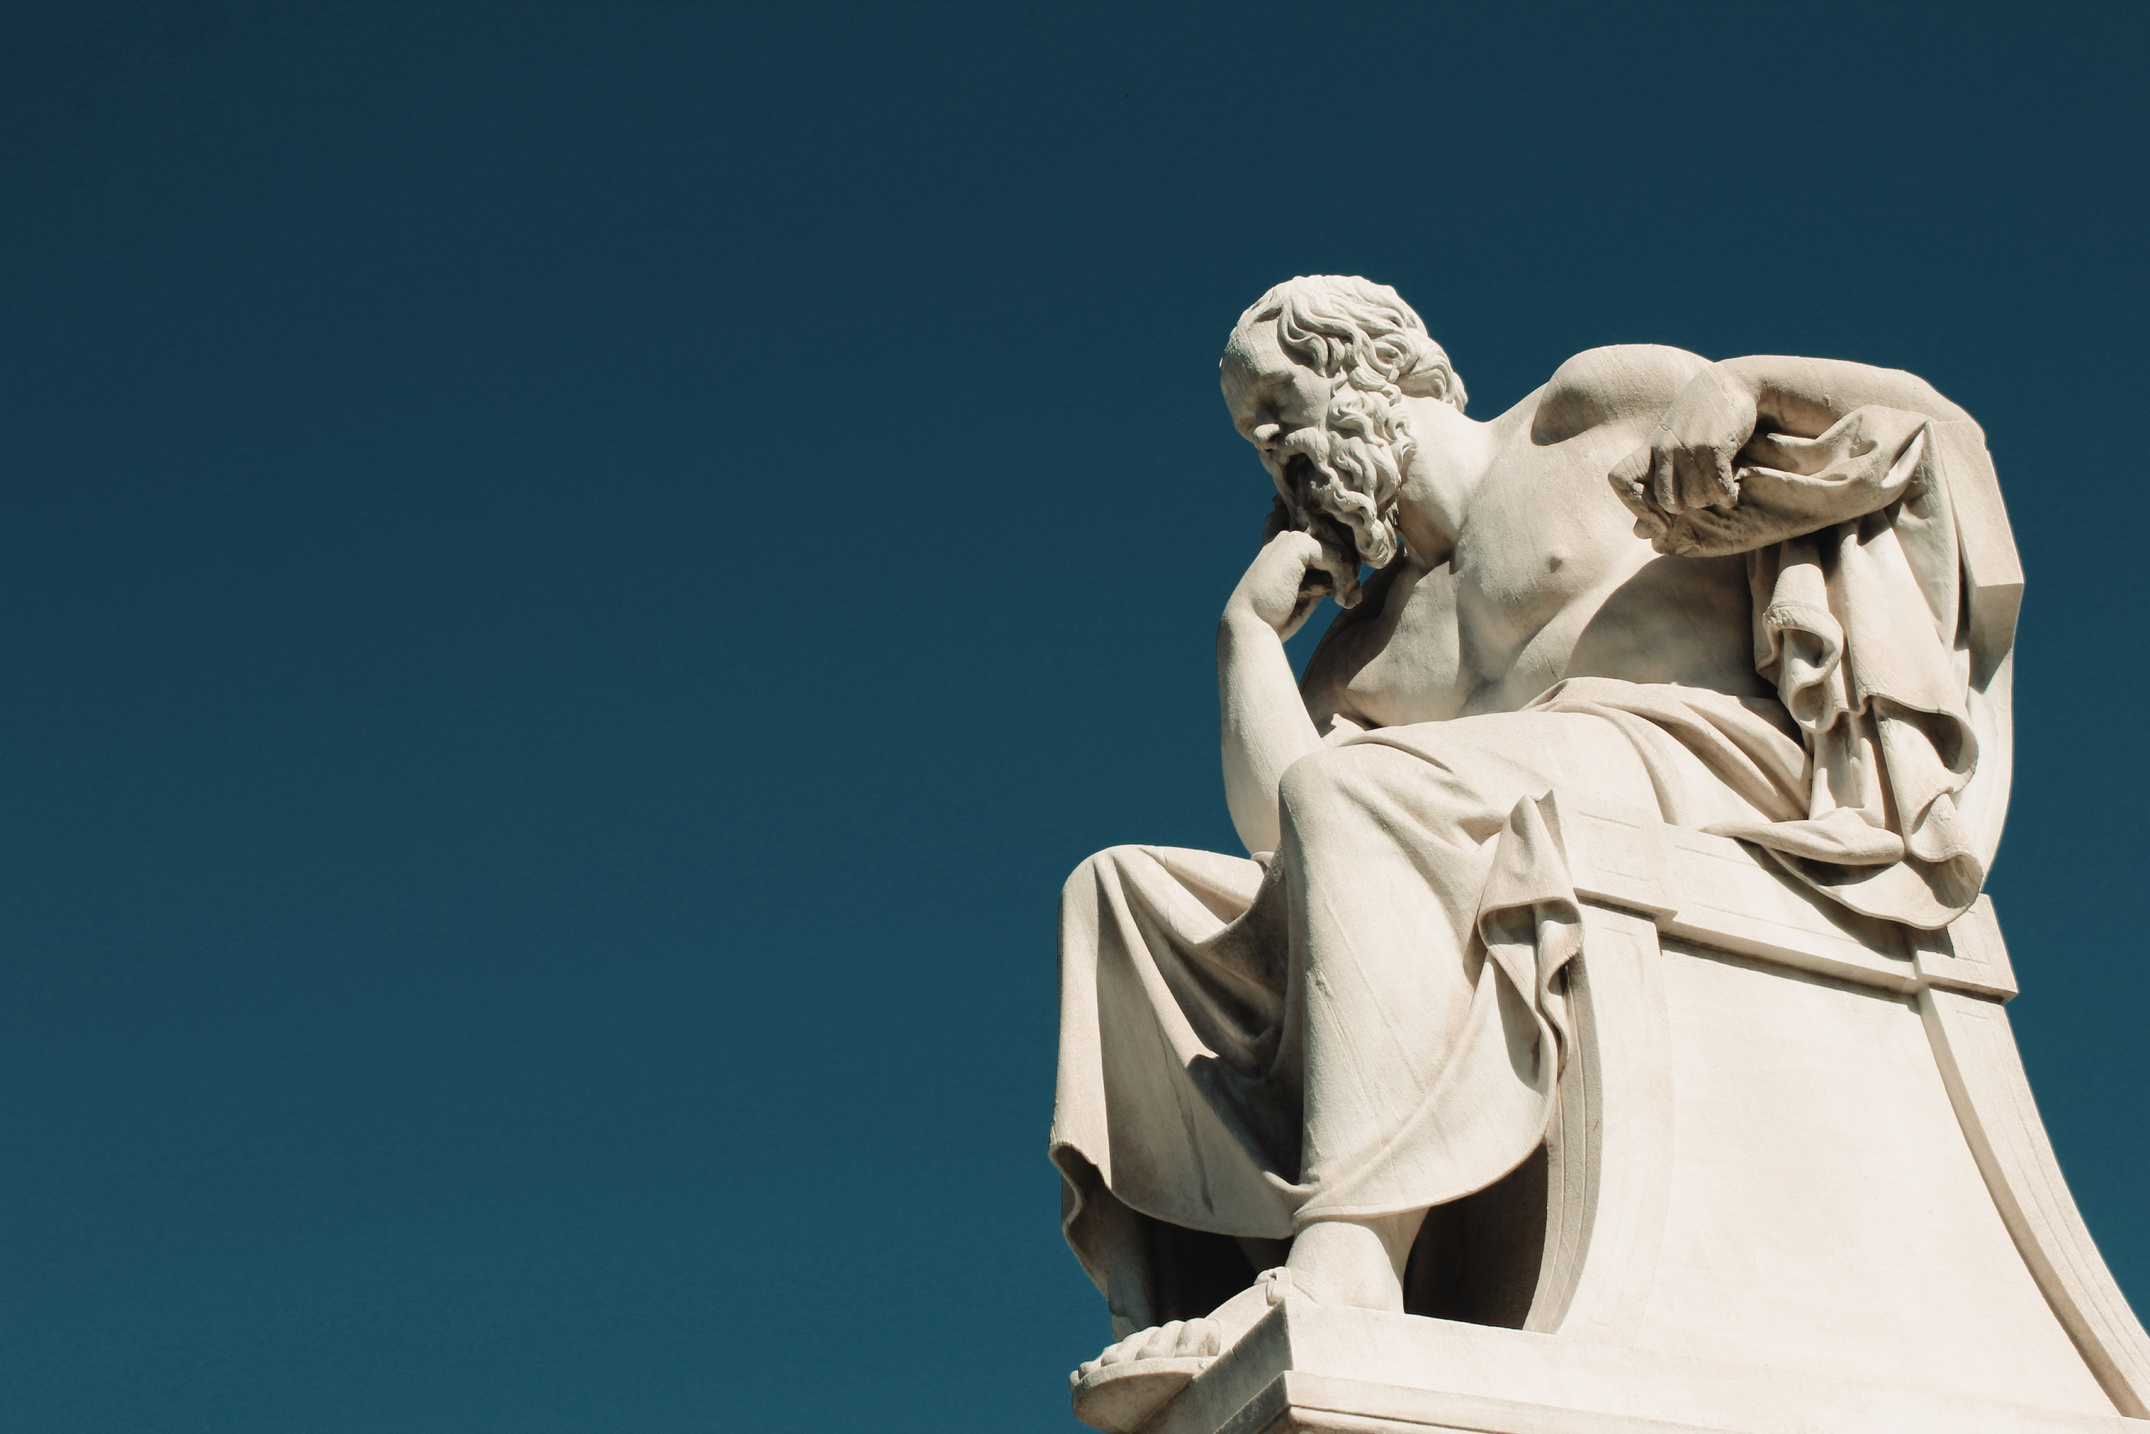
(1329, 784)
(1100, 870)
(1318, 777)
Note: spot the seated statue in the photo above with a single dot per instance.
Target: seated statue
(1726, 594)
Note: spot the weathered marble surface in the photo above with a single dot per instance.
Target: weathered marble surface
(1756, 614)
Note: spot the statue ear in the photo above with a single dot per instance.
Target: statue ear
(1432, 382)
(1438, 380)
(1422, 370)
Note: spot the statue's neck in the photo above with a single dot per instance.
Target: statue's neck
(1451, 457)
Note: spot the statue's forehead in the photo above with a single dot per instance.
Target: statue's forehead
(1253, 349)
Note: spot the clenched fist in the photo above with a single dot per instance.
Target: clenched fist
(1688, 463)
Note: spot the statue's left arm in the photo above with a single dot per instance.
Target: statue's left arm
(1690, 472)
(1802, 397)
(1884, 585)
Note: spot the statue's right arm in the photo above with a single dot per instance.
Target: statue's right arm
(1265, 726)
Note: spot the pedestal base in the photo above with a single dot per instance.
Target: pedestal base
(1307, 1367)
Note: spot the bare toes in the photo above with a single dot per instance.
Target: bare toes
(1163, 1341)
(1176, 1339)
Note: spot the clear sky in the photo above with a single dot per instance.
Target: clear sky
(576, 578)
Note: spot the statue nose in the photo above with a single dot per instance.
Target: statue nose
(1268, 433)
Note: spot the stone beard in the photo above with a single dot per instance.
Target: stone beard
(1350, 469)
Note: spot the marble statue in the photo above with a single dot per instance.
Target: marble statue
(1731, 599)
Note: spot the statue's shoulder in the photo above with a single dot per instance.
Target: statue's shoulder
(1620, 384)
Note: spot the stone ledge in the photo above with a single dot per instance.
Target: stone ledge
(1716, 892)
(1309, 1368)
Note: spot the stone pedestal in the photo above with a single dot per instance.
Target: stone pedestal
(1345, 1371)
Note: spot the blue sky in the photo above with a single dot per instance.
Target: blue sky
(576, 577)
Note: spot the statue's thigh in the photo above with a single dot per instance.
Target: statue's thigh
(1458, 781)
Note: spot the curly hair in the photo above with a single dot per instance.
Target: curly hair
(1363, 333)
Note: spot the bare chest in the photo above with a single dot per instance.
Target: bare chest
(1544, 533)
(1551, 583)
(1535, 543)
(1548, 581)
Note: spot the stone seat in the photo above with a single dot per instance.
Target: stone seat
(1797, 1181)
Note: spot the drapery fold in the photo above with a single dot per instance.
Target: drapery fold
(1861, 620)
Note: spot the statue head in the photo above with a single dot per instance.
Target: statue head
(1317, 372)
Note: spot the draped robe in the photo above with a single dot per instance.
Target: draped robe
(1370, 1019)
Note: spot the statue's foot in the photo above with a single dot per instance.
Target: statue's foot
(1120, 1389)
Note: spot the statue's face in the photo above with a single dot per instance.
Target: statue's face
(1337, 458)
(1271, 396)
